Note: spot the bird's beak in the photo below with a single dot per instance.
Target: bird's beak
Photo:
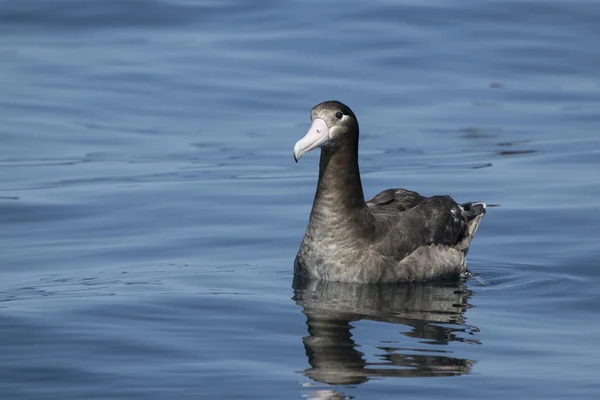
(316, 136)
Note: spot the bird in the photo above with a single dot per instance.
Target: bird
(398, 235)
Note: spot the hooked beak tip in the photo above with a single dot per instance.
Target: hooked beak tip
(297, 154)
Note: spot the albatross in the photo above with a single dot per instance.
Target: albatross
(397, 236)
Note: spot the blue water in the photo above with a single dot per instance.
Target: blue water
(150, 208)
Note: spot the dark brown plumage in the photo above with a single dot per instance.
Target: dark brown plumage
(398, 235)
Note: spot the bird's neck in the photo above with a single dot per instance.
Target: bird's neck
(339, 197)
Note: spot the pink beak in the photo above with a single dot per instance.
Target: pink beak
(316, 136)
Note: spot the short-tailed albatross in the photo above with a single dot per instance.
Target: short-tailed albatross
(397, 236)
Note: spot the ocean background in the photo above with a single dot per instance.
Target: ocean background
(150, 207)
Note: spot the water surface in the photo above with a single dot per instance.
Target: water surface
(151, 209)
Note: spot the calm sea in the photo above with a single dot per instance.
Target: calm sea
(150, 208)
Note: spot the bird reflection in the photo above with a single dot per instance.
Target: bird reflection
(434, 311)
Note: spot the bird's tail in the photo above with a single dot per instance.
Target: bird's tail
(474, 213)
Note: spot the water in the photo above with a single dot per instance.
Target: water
(151, 210)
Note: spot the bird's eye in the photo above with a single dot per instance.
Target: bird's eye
(339, 115)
